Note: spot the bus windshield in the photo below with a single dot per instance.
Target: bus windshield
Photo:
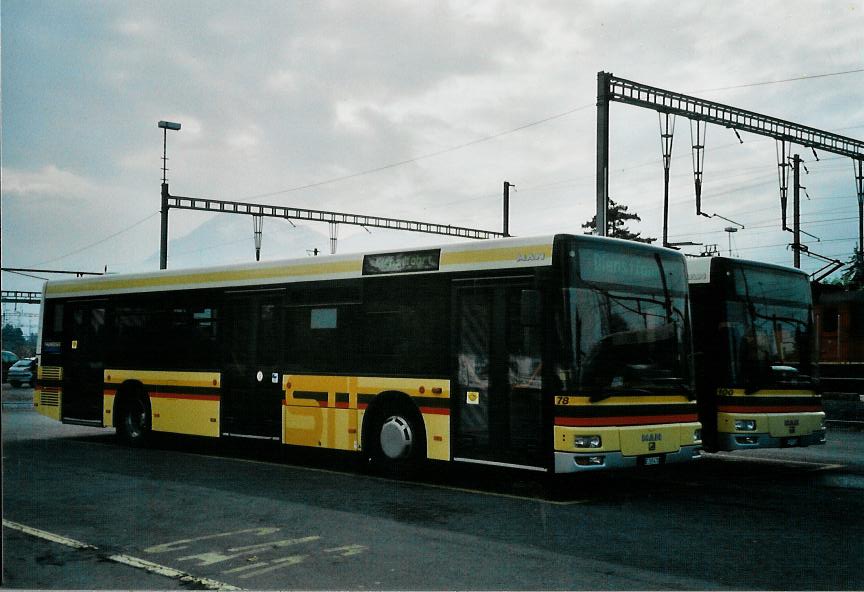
(625, 323)
(769, 329)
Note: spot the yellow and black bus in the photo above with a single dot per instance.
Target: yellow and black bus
(558, 354)
(756, 360)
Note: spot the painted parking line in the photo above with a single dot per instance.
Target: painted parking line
(135, 562)
(48, 536)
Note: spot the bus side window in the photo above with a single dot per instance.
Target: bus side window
(57, 326)
(322, 318)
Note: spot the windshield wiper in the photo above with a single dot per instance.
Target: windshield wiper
(679, 384)
(614, 391)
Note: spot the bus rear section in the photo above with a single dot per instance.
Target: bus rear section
(624, 393)
(756, 355)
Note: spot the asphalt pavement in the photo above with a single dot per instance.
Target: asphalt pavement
(82, 512)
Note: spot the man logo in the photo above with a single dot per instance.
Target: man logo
(652, 437)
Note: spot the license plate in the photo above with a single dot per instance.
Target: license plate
(651, 460)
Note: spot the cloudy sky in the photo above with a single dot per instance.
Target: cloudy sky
(277, 96)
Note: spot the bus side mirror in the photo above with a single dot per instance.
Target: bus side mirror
(529, 308)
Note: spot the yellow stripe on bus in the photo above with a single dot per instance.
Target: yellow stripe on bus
(519, 254)
(165, 377)
(616, 400)
(766, 393)
(203, 278)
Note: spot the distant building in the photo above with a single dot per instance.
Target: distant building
(839, 316)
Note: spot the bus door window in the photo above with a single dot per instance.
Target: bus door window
(252, 379)
(85, 362)
(474, 364)
(499, 404)
(524, 339)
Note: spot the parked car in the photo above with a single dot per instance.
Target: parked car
(23, 372)
(9, 358)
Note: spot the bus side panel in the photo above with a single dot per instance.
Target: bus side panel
(180, 402)
(327, 411)
(318, 411)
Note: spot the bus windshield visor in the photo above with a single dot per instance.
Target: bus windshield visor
(626, 323)
(769, 329)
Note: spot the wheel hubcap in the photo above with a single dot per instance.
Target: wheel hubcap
(396, 438)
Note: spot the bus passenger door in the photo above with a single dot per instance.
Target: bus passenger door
(84, 353)
(498, 412)
(251, 376)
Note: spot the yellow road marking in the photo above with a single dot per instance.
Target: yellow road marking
(183, 543)
(135, 562)
(211, 557)
(279, 564)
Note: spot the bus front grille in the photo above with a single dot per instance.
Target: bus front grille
(50, 397)
(51, 373)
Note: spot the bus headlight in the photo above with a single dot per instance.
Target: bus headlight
(697, 434)
(587, 442)
(745, 425)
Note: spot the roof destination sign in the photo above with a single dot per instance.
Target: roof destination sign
(409, 261)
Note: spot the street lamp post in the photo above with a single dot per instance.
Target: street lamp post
(163, 243)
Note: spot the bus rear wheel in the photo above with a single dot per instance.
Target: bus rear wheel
(133, 421)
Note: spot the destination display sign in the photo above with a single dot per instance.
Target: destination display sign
(409, 261)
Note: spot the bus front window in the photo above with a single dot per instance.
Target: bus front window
(627, 324)
(770, 332)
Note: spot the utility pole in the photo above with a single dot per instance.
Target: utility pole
(667, 134)
(603, 79)
(859, 185)
(163, 239)
(796, 212)
(507, 186)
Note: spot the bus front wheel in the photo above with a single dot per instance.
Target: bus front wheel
(133, 421)
(396, 439)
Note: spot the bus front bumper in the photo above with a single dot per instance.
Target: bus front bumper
(573, 462)
(730, 442)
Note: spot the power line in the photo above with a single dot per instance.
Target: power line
(35, 277)
(807, 77)
(420, 157)
(98, 242)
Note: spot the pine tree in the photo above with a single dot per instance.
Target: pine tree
(616, 217)
(853, 277)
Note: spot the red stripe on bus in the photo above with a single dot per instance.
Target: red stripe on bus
(342, 406)
(435, 410)
(769, 409)
(182, 396)
(623, 421)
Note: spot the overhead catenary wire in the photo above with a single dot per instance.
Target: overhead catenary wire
(795, 79)
(98, 242)
(419, 157)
